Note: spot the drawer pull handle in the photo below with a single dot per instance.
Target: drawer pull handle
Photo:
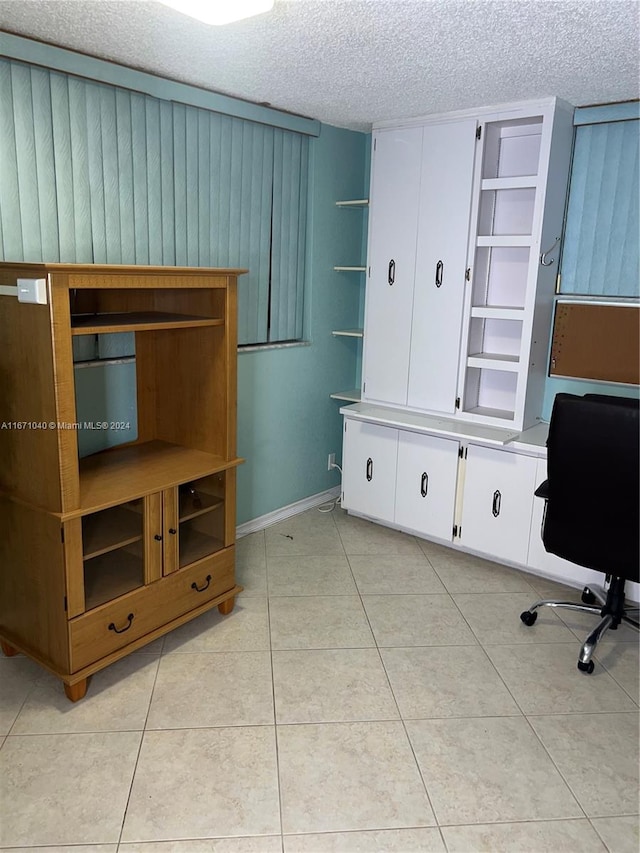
(392, 272)
(439, 271)
(424, 484)
(158, 538)
(112, 626)
(369, 469)
(172, 531)
(497, 500)
(197, 588)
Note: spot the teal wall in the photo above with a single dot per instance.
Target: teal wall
(287, 424)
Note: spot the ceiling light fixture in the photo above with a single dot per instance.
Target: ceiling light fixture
(218, 12)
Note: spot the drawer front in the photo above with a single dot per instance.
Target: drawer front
(112, 626)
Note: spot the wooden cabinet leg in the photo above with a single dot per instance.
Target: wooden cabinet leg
(226, 607)
(76, 691)
(7, 650)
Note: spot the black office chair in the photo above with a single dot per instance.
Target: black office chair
(592, 507)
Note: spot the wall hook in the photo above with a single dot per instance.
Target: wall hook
(543, 256)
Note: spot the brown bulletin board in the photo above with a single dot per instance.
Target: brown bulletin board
(593, 341)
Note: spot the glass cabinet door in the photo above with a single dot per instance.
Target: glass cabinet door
(194, 521)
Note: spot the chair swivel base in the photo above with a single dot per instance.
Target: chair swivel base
(611, 611)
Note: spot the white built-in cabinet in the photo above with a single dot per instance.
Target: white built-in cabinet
(497, 504)
(466, 215)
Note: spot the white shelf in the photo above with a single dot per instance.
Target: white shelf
(495, 312)
(505, 241)
(486, 412)
(348, 396)
(493, 361)
(350, 269)
(357, 202)
(516, 183)
(348, 333)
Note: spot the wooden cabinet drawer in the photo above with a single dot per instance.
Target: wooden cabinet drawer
(114, 625)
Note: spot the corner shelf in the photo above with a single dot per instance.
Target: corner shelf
(350, 269)
(348, 333)
(348, 396)
(357, 202)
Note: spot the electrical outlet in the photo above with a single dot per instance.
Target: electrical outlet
(331, 461)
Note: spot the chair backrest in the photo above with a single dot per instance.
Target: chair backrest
(593, 468)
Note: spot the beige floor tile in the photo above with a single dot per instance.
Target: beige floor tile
(426, 840)
(18, 676)
(202, 783)
(380, 574)
(598, 756)
(319, 622)
(465, 573)
(331, 685)
(117, 699)
(443, 681)
(495, 618)
(620, 834)
(255, 844)
(622, 662)
(417, 620)
(544, 679)
(311, 534)
(66, 789)
(245, 629)
(546, 588)
(251, 564)
(347, 785)
(74, 848)
(215, 689)
(583, 623)
(364, 537)
(558, 836)
(488, 770)
(310, 576)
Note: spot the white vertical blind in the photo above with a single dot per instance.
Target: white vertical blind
(600, 254)
(91, 173)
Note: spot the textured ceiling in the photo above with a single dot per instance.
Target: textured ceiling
(353, 62)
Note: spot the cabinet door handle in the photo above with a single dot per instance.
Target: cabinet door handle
(172, 531)
(424, 484)
(439, 271)
(392, 272)
(197, 588)
(369, 469)
(497, 500)
(158, 538)
(112, 626)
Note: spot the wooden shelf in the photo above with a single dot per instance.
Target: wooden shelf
(348, 333)
(195, 545)
(357, 202)
(350, 269)
(349, 396)
(110, 575)
(110, 529)
(124, 473)
(137, 321)
(189, 508)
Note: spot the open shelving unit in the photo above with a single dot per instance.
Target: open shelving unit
(351, 395)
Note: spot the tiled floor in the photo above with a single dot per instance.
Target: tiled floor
(370, 692)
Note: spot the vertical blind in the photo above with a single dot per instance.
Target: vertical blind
(600, 254)
(91, 173)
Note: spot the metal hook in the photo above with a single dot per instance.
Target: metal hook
(543, 256)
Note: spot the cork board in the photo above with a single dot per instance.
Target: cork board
(592, 341)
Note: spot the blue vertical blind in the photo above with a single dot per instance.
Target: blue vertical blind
(600, 254)
(91, 173)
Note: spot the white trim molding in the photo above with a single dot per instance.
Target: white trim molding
(285, 512)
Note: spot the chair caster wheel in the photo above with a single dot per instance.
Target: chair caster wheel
(528, 617)
(587, 667)
(587, 596)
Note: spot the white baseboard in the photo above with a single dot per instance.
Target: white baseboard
(286, 512)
